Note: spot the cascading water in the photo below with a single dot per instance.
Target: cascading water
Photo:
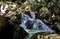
(37, 25)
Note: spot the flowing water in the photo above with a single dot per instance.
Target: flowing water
(36, 24)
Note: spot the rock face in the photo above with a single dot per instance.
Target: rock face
(3, 21)
(8, 31)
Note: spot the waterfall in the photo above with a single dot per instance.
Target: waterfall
(38, 25)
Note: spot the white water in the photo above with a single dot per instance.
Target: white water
(38, 26)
